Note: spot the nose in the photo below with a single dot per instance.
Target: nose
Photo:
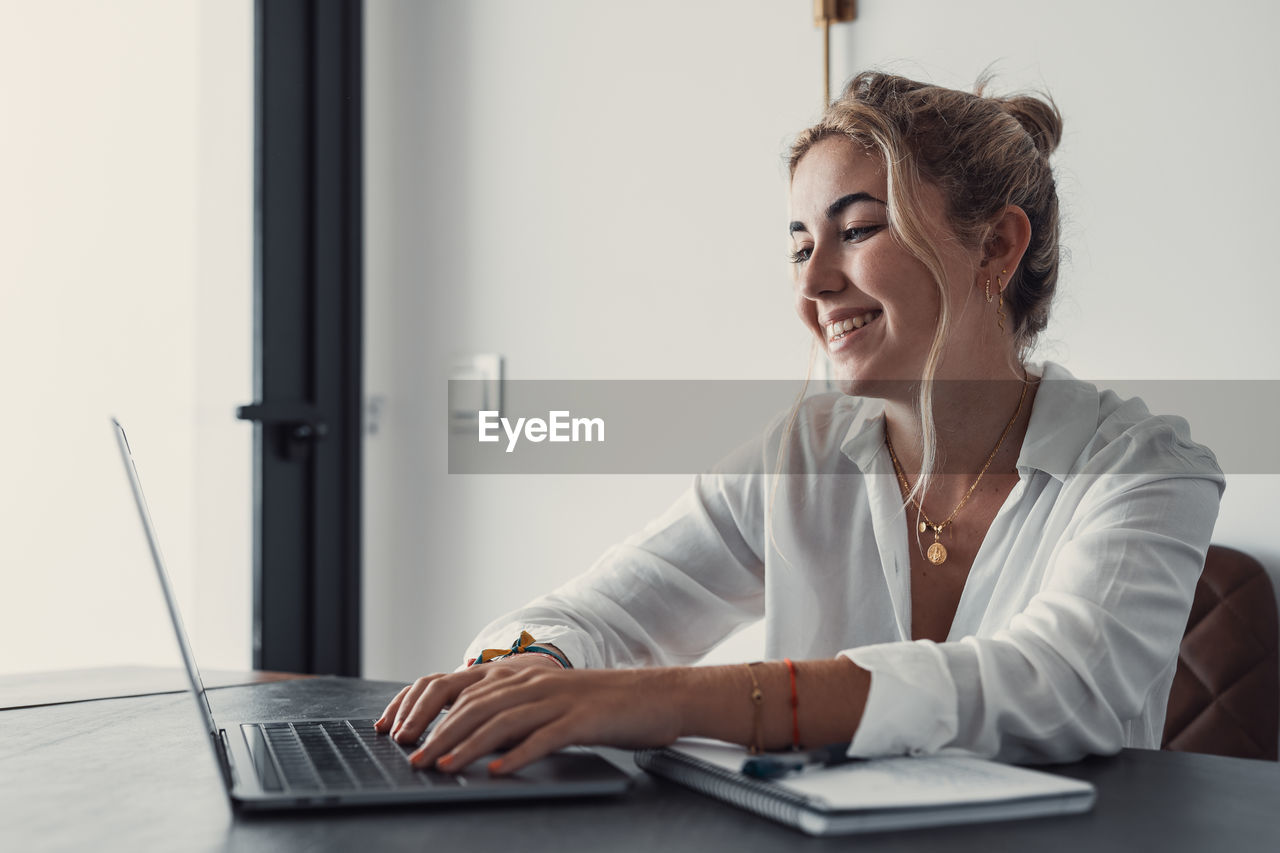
(820, 276)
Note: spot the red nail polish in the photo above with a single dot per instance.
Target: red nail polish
(495, 765)
(445, 761)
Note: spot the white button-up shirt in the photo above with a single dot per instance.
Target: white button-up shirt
(1065, 639)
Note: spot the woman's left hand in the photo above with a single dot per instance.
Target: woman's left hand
(541, 711)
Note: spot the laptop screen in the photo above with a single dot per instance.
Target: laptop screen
(188, 657)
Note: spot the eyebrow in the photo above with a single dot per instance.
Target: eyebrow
(834, 209)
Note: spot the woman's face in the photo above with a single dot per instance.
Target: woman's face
(871, 304)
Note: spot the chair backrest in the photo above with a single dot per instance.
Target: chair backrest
(1225, 698)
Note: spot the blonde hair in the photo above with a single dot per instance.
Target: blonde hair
(983, 154)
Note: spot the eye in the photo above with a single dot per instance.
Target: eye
(859, 233)
(852, 234)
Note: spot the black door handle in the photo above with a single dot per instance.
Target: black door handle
(296, 426)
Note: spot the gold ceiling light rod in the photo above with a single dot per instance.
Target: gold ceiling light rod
(826, 13)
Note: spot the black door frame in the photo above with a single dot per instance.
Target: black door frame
(308, 338)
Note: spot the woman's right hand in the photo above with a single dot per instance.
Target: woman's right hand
(419, 703)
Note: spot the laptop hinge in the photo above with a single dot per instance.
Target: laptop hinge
(224, 758)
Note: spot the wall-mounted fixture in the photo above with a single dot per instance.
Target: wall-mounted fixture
(826, 13)
(475, 385)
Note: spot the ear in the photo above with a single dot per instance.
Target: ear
(1006, 243)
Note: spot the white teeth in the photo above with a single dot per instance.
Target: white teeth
(834, 330)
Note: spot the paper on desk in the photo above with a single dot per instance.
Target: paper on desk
(904, 782)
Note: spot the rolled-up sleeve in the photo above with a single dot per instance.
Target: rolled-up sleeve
(1086, 655)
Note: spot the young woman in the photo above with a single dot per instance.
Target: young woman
(959, 550)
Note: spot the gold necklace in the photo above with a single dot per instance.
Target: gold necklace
(937, 553)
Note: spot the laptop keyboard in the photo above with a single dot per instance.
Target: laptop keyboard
(344, 755)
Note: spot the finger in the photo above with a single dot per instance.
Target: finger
(510, 724)
(383, 723)
(539, 744)
(479, 701)
(407, 703)
(473, 707)
(429, 703)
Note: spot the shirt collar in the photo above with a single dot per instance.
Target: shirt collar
(1064, 417)
(866, 434)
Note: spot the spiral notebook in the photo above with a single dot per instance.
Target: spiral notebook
(874, 795)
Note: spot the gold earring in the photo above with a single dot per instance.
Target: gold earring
(988, 289)
(1000, 304)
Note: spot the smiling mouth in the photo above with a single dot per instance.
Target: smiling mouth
(844, 328)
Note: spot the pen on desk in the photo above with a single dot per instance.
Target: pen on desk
(774, 766)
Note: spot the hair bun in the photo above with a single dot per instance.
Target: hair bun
(1039, 118)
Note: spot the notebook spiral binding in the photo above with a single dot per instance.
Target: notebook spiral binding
(753, 795)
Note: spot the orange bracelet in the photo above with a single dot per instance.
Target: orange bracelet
(795, 705)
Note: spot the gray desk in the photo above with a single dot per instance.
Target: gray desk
(73, 777)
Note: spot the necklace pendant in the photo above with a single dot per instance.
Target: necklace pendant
(924, 526)
(937, 553)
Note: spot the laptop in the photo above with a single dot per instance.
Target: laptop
(314, 763)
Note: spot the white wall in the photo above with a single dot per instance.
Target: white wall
(596, 190)
(593, 190)
(125, 289)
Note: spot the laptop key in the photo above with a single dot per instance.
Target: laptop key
(358, 760)
(394, 759)
(294, 766)
(329, 766)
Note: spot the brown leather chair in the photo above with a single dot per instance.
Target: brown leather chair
(1225, 698)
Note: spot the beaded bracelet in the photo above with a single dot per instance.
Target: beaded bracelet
(757, 709)
(548, 653)
(757, 701)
